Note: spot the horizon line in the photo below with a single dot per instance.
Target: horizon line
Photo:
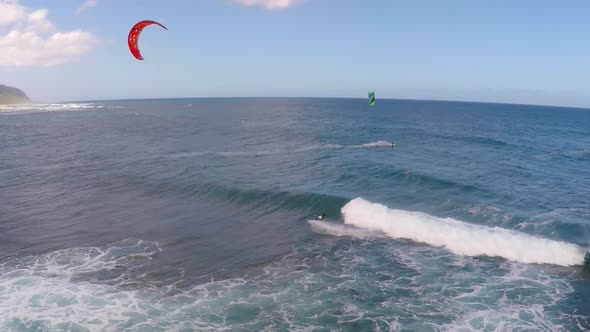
(355, 98)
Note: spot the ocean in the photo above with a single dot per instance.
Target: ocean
(199, 215)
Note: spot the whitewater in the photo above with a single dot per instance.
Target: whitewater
(459, 237)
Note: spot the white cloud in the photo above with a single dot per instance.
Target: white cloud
(268, 4)
(10, 12)
(29, 38)
(37, 22)
(86, 5)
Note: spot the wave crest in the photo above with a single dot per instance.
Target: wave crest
(459, 237)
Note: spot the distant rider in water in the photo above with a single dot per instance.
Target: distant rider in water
(322, 216)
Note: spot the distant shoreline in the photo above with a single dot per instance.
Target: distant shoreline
(10, 95)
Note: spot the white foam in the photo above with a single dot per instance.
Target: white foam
(42, 108)
(107, 289)
(76, 289)
(375, 144)
(459, 237)
(335, 229)
(317, 147)
(332, 146)
(584, 151)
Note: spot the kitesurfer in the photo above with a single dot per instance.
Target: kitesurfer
(322, 216)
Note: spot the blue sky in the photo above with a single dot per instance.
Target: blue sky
(525, 51)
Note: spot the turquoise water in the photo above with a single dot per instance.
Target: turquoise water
(197, 214)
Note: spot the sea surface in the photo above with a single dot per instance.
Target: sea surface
(198, 215)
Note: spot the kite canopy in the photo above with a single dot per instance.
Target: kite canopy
(371, 98)
(134, 36)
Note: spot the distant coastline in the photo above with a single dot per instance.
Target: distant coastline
(12, 95)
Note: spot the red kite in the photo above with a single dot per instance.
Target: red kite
(134, 36)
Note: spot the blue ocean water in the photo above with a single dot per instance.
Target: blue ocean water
(197, 214)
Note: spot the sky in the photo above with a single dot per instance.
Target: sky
(514, 51)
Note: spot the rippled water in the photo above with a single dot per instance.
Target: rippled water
(196, 214)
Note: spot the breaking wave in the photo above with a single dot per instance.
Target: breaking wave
(42, 108)
(459, 237)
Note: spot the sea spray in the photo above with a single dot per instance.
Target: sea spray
(335, 229)
(375, 144)
(459, 237)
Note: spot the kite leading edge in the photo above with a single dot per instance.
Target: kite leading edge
(134, 36)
